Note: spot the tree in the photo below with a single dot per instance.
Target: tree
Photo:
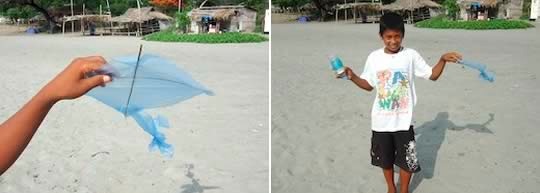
(37, 7)
(164, 3)
(452, 8)
(182, 21)
(43, 7)
(24, 12)
(290, 3)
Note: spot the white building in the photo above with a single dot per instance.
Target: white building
(535, 9)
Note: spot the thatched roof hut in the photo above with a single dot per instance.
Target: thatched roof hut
(362, 5)
(223, 18)
(132, 15)
(485, 3)
(62, 11)
(410, 5)
(93, 18)
(219, 12)
(485, 9)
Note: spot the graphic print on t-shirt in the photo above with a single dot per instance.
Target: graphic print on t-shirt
(393, 91)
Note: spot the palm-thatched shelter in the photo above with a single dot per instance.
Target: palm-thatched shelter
(85, 21)
(141, 21)
(68, 19)
(367, 11)
(222, 19)
(490, 9)
(414, 10)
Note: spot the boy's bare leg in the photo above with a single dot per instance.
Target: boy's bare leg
(405, 178)
(389, 177)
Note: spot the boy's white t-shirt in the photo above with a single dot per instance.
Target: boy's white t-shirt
(392, 76)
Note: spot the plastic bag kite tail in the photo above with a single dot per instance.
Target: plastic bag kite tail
(152, 126)
(484, 72)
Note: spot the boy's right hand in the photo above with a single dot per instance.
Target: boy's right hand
(451, 57)
(348, 72)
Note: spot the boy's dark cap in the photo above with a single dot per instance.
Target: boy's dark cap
(391, 20)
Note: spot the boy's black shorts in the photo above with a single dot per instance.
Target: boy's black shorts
(399, 148)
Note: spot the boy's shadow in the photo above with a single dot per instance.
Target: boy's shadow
(429, 138)
(195, 186)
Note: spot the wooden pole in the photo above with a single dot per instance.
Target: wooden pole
(72, 26)
(336, 14)
(354, 10)
(100, 17)
(82, 19)
(139, 15)
(345, 3)
(179, 5)
(110, 17)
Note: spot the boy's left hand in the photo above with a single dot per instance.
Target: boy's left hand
(451, 57)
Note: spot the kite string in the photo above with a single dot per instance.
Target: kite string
(133, 81)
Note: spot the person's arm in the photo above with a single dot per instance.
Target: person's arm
(439, 67)
(361, 83)
(17, 131)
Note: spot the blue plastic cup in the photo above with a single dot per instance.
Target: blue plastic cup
(337, 66)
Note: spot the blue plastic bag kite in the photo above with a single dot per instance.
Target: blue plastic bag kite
(484, 73)
(143, 82)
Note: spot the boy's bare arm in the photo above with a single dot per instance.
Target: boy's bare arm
(363, 84)
(437, 70)
(17, 131)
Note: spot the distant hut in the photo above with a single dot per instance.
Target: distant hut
(87, 22)
(490, 9)
(361, 11)
(222, 19)
(64, 16)
(414, 10)
(149, 19)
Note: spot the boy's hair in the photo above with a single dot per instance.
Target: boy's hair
(392, 21)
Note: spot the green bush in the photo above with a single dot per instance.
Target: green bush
(452, 7)
(182, 21)
(442, 23)
(171, 36)
(23, 12)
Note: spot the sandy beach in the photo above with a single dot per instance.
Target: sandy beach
(221, 142)
(472, 135)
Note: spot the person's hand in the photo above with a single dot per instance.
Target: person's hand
(71, 82)
(348, 73)
(451, 57)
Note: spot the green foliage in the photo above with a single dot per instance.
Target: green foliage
(526, 10)
(442, 23)
(290, 3)
(452, 7)
(118, 9)
(170, 36)
(20, 12)
(182, 21)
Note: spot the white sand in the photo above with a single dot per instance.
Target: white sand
(321, 126)
(222, 138)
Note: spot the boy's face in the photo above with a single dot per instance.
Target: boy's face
(392, 39)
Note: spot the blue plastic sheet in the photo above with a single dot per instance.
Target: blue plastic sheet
(155, 82)
(484, 72)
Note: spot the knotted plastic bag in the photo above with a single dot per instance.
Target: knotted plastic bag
(484, 72)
